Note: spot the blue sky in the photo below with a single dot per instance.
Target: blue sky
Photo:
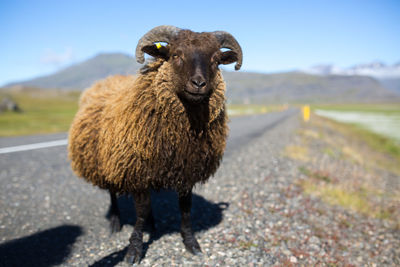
(41, 37)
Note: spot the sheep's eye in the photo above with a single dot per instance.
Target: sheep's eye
(175, 56)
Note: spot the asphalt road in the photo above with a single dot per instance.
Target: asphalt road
(47, 214)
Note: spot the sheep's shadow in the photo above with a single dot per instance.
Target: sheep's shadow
(205, 215)
(46, 248)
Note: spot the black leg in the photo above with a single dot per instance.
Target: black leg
(115, 224)
(143, 209)
(190, 242)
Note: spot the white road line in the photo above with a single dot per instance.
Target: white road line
(12, 149)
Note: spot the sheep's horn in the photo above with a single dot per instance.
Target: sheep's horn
(162, 33)
(228, 41)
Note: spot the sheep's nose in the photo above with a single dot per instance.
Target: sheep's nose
(198, 82)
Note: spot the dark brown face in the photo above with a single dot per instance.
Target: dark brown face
(195, 58)
(196, 67)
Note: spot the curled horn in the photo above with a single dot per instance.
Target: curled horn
(162, 33)
(228, 41)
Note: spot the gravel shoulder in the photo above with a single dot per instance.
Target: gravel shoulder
(253, 212)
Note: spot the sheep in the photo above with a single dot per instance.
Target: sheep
(164, 129)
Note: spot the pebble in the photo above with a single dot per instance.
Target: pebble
(268, 221)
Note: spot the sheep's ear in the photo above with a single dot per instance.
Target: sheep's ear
(228, 57)
(156, 50)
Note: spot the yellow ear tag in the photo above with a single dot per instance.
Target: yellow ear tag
(158, 45)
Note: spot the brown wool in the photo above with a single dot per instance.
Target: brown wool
(133, 134)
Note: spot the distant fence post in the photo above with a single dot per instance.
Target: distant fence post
(306, 113)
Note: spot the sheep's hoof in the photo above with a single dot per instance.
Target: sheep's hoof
(192, 246)
(134, 255)
(115, 224)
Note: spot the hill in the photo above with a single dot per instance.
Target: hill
(82, 75)
(391, 83)
(301, 87)
(387, 75)
(243, 87)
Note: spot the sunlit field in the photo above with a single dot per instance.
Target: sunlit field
(249, 109)
(42, 112)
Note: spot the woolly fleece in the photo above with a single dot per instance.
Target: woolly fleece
(133, 134)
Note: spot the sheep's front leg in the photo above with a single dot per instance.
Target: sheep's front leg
(190, 242)
(143, 209)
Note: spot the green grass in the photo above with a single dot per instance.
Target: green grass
(375, 108)
(42, 112)
(243, 109)
(373, 154)
(356, 199)
(315, 174)
(377, 141)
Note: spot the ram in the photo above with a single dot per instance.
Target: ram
(164, 129)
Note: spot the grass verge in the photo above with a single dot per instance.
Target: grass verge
(348, 166)
(357, 199)
(392, 108)
(388, 150)
(42, 112)
(240, 110)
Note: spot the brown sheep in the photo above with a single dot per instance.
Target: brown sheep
(165, 129)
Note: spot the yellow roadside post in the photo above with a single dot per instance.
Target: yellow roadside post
(306, 113)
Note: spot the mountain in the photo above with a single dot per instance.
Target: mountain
(243, 87)
(388, 75)
(301, 87)
(392, 84)
(82, 75)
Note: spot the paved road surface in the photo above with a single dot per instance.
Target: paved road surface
(45, 210)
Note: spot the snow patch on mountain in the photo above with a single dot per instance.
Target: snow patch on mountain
(375, 69)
